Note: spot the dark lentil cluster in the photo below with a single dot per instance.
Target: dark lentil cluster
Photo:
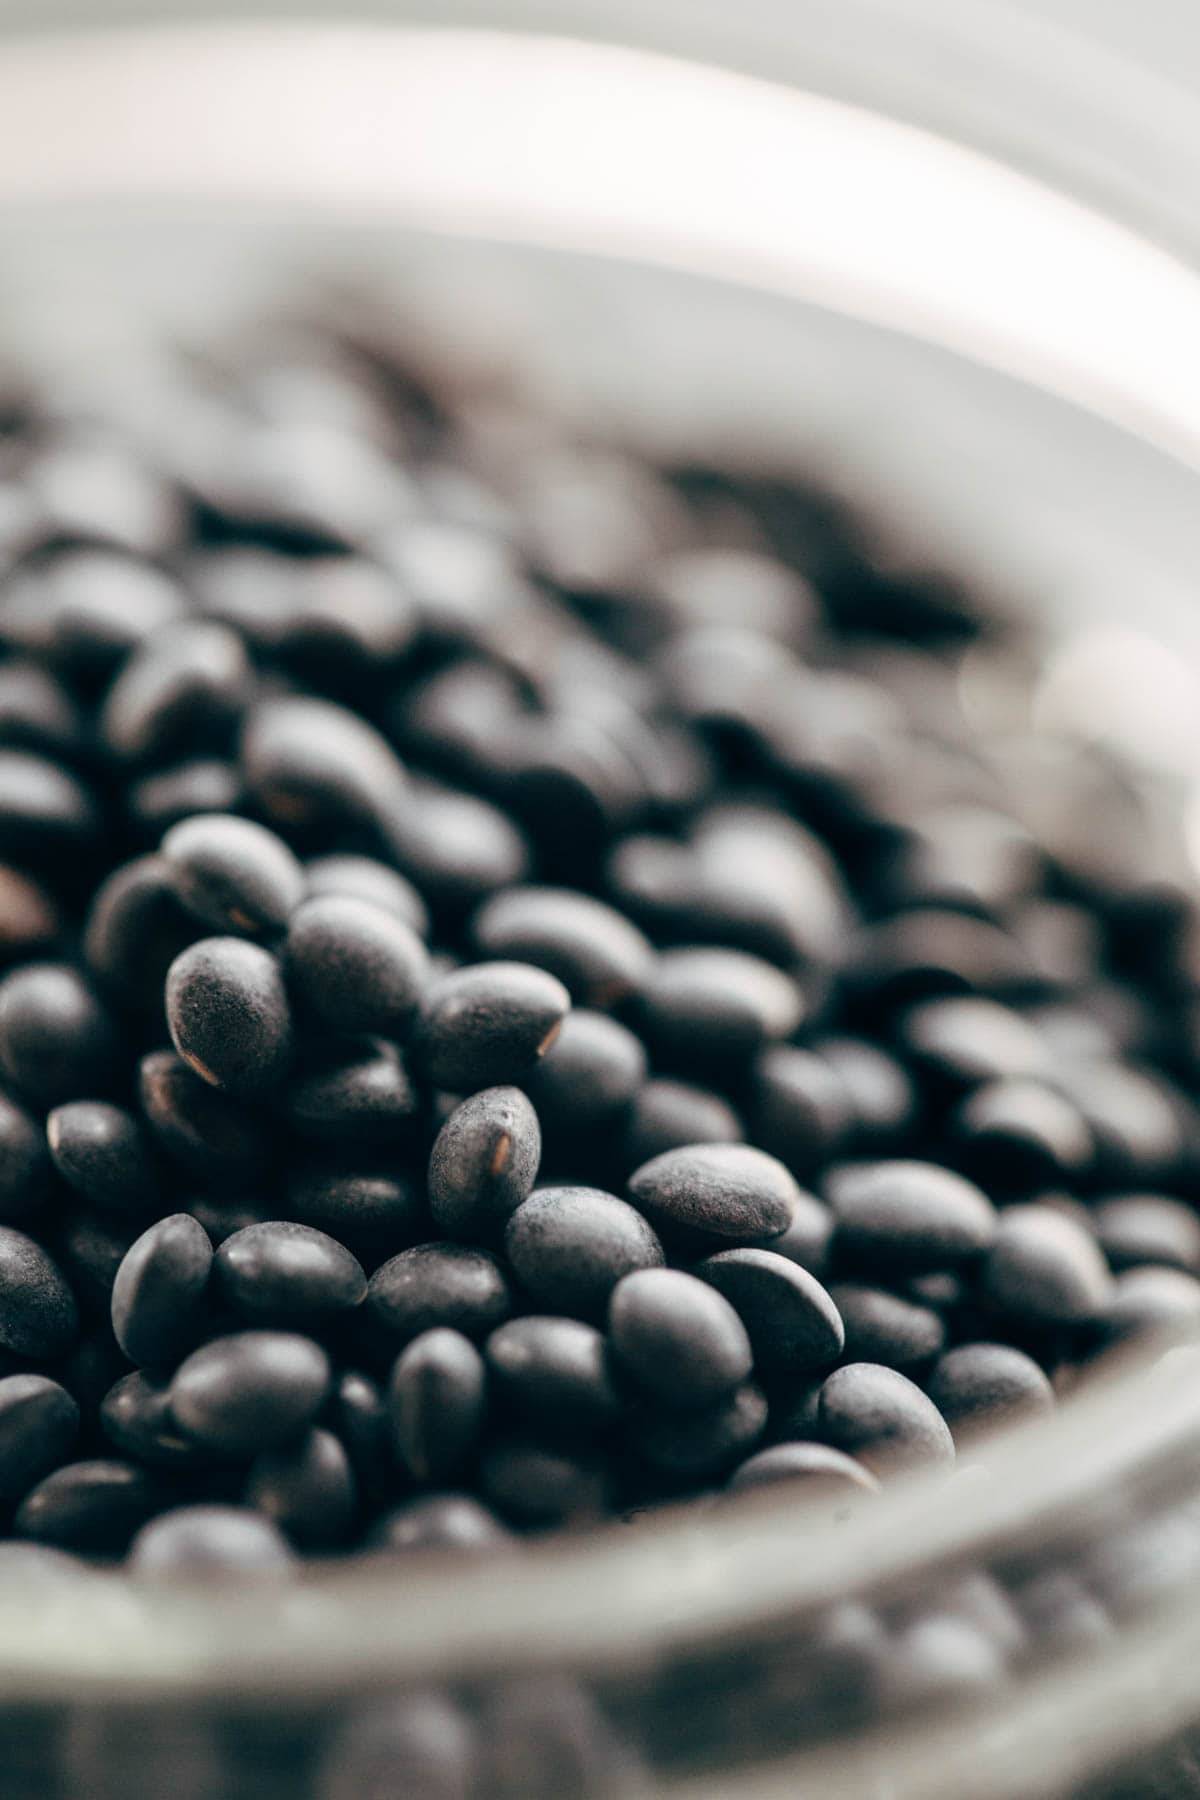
(528, 988)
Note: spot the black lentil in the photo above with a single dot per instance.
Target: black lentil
(484, 1162)
(95, 1506)
(879, 1416)
(57, 1042)
(228, 1014)
(570, 1246)
(356, 966)
(598, 955)
(722, 1190)
(977, 1386)
(103, 1153)
(437, 1401)
(792, 1323)
(279, 1272)
(211, 1543)
(554, 1374)
(817, 1466)
(307, 1487)
(38, 1313)
(160, 1290)
(488, 1024)
(1045, 1268)
(249, 1392)
(233, 875)
(442, 1522)
(438, 1284)
(678, 1338)
(882, 1327)
(909, 1215)
(39, 1426)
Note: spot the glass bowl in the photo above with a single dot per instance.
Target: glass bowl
(874, 244)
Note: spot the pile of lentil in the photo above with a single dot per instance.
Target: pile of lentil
(530, 989)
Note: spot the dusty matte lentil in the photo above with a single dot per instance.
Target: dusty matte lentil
(353, 1091)
(209, 1134)
(484, 1162)
(438, 1284)
(228, 1013)
(488, 1024)
(879, 1416)
(1045, 1268)
(233, 875)
(713, 1009)
(38, 1313)
(666, 1115)
(981, 1385)
(588, 1079)
(282, 1273)
(569, 1246)
(882, 1327)
(727, 1191)
(355, 965)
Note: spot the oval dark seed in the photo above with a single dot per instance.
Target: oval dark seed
(136, 927)
(281, 1273)
(456, 848)
(160, 1292)
(1150, 1302)
(234, 875)
(204, 784)
(588, 1078)
(598, 954)
(569, 1246)
(46, 815)
(208, 1543)
(38, 1314)
(554, 1374)
(456, 1522)
(25, 1167)
(484, 1162)
(886, 1328)
(807, 1237)
(438, 1284)
(183, 687)
(102, 1153)
(359, 1417)
(883, 1419)
(800, 1109)
(228, 1014)
(792, 1323)
(57, 1042)
(362, 878)
(354, 965)
(1133, 1229)
(959, 1043)
(1021, 1135)
(250, 1392)
(488, 1024)
(909, 1215)
(537, 1485)
(980, 1386)
(308, 1489)
(39, 1424)
(136, 1417)
(374, 1214)
(310, 763)
(677, 1337)
(1045, 1268)
(207, 1133)
(437, 1402)
(94, 1507)
(816, 1468)
(667, 1115)
(722, 1190)
(357, 1091)
(698, 1445)
(715, 1009)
